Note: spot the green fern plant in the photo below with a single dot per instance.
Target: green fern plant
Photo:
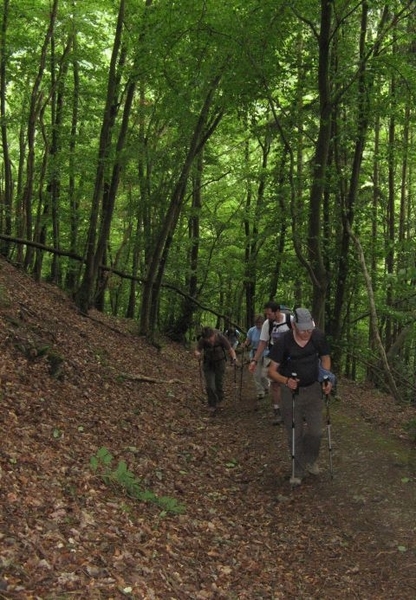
(101, 463)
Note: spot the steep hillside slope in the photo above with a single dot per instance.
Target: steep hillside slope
(221, 521)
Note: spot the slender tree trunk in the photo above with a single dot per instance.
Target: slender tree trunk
(254, 211)
(73, 201)
(374, 318)
(250, 247)
(348, 208)
(7, 200)
(49, 198)
(36, 100)
(281, 227)
(185, 320)
(110, 192)
(85, 294)
(156, 267)
(375, 233)
(365, 84)
(319, 168)
(391, 214)
(136, 252)
(54, 185)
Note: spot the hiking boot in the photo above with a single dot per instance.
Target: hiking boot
(277, 417)
(313, 469)
(295, 481)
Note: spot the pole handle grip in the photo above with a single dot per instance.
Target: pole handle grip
(295, 377)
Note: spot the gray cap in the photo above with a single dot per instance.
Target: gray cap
(303, 319)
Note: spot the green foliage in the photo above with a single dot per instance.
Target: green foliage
(101, 463)
(244, 232)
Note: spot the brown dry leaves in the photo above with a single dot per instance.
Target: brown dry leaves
(245, 535)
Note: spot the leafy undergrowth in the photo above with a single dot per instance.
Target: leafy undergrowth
(79, 394)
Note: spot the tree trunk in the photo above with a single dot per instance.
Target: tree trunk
(365, 82)
(185, 320)
(72, 272)
(374, 318)
(281, 225)
(320, 161)
(110, 193)
(6, 214)
(85, 294)
(34, 110)
(202, 132)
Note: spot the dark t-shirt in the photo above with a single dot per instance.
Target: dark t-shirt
(292, 358)
(216, 352)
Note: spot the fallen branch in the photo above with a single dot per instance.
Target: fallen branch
(150, 379)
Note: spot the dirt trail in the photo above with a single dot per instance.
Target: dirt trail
(362, 521)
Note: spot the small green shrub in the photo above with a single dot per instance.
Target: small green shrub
(56, 362)
(410, 427)
(5, 301)
(102, 464)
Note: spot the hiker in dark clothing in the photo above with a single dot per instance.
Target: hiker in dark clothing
(212, 349)
(297, 359)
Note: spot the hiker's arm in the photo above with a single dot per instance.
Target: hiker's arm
(327, 383)
(274, 375)
(260, 349)
(227, 346)
(198, 350)
(326, 362)
(247, 342)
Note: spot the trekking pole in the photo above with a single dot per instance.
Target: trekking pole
(241, 374)
(294, 376)
(328, 424)
(200, 375)
(235, 382)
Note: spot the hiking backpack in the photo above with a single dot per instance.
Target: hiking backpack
(274, 327)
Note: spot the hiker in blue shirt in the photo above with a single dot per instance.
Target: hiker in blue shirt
(261, 381)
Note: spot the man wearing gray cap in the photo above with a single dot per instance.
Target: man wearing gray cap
(295, 363)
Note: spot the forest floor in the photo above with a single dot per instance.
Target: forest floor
(225, 523)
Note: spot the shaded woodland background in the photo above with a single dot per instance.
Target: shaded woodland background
(179, 164)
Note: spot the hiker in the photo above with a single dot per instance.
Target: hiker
(261, 381)
(212, 348)
(233, 335)
(276, 323)
(296, 358)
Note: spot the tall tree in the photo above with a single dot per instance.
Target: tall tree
(94, 253)
(35, 108)
(204, 127)
(6, 214)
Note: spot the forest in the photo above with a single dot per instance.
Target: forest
(181, 162)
